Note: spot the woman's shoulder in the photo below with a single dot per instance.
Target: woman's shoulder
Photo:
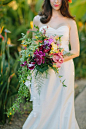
(71, 22)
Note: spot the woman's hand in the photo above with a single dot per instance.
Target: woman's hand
(73, 55)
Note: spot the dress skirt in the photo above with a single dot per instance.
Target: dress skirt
(54, 108)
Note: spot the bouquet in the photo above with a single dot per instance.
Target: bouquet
(39, 54)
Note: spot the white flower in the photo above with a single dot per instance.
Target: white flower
(27, 83)
(28, 77)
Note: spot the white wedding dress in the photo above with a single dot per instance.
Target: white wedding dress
(55, 107)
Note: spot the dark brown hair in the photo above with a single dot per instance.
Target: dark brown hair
(46, 12)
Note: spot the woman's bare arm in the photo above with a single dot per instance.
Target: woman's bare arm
(74, 41)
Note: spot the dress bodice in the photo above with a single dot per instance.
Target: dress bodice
(62, 30)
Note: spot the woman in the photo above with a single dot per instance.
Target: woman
(56, 105)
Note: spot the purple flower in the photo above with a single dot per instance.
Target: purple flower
(46, 42)
(50, 40)
(25, 63)
(31, 66)
(47, 48)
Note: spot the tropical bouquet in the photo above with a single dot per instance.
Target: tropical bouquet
(38, 55)
(42, 52)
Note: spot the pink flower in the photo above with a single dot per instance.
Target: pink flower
(58, 59)
(25, 48)
(58, 64)
(44, 31)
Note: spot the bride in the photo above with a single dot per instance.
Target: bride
(55, 108)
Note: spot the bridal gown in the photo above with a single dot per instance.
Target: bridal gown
(54, 109)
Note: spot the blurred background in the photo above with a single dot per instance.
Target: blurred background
(16, 17)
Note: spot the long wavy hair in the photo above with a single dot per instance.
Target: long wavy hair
(46, 12)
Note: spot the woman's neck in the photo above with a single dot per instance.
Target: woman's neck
(56, 13)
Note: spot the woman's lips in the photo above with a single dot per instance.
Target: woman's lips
(56, 5)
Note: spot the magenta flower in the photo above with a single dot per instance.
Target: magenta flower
(41, 48)
(38, 59)
(36, 52)
(39, 53)
(31, 66)
(25, 63)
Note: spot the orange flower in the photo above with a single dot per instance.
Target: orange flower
(70, 1)
(40, 41)
(9, 41)
(1, 29)
(80, 24)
